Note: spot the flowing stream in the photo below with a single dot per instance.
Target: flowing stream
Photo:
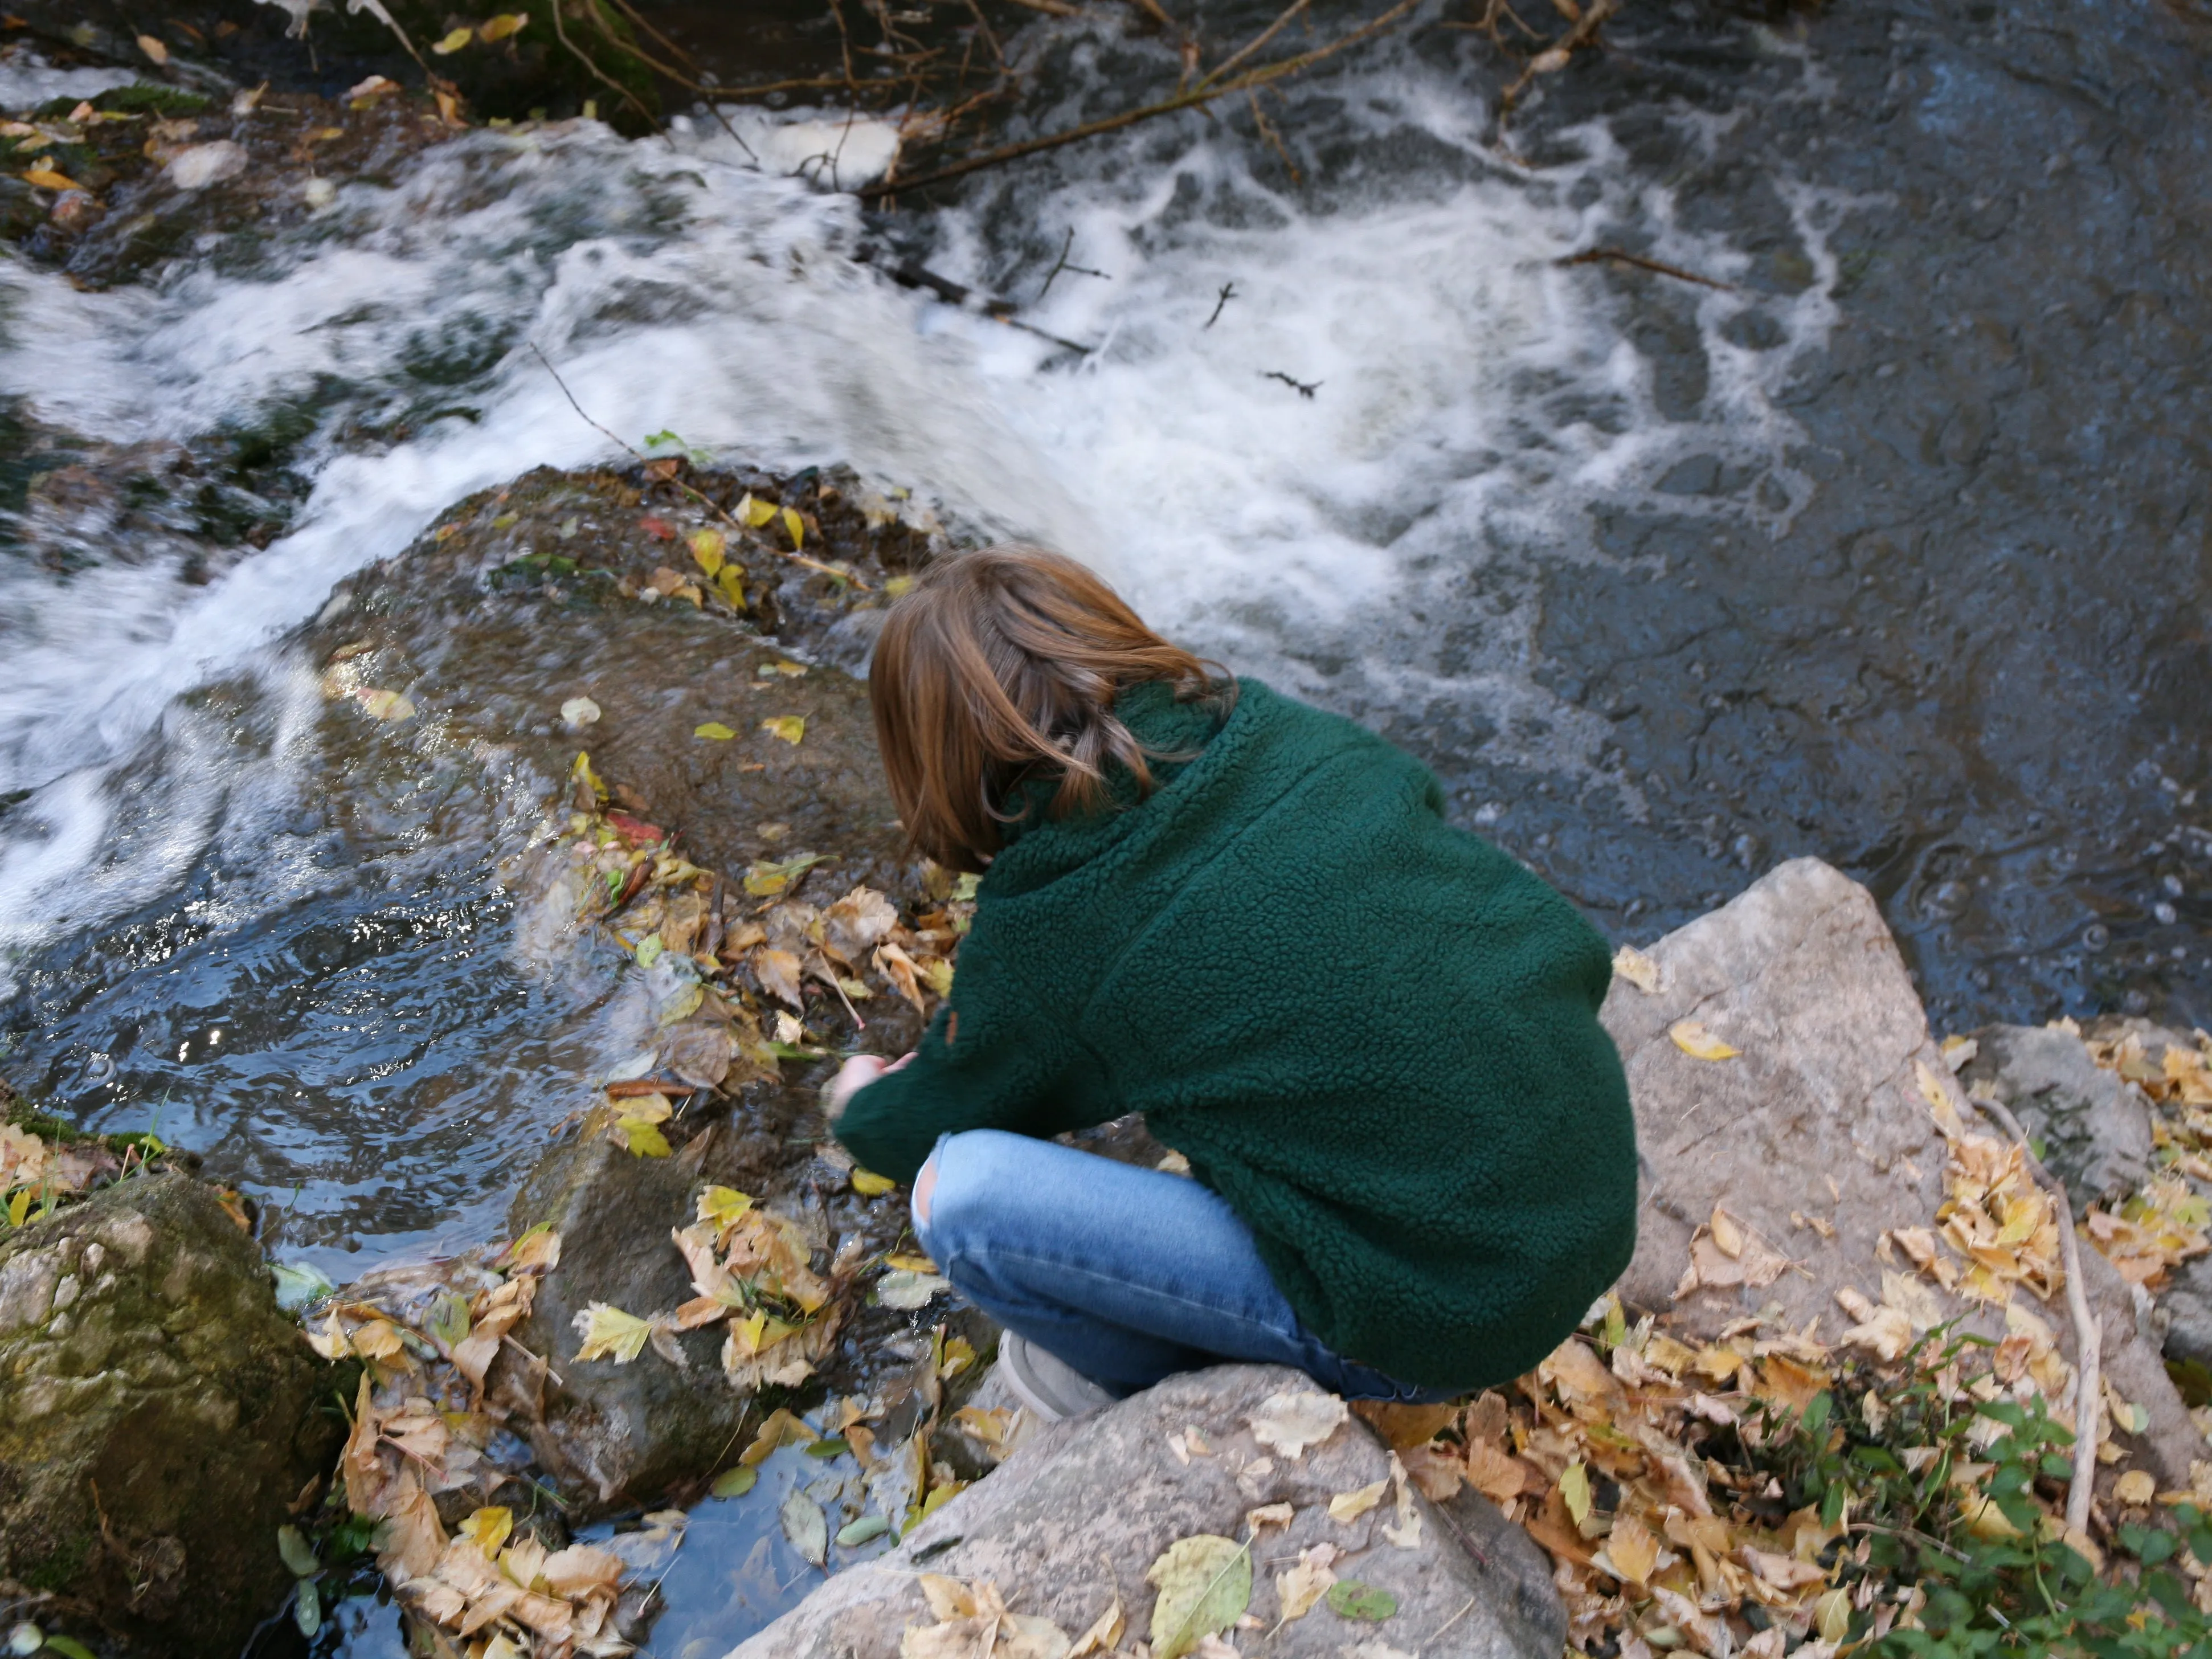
(1884, 538)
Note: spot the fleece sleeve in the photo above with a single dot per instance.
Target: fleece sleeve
(1018, 1068)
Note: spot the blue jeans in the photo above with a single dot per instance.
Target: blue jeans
(1127, 1274)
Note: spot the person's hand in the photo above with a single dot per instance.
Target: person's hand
(856, 1074)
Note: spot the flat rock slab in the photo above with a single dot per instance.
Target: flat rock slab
(1820, 1117)
(1076, 1516)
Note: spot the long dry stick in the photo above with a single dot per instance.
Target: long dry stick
(698, 496)
(2088, 1330)
(1193, 98)
(1590, 256)
(1254, 44)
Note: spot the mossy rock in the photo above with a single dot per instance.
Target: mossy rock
(159, 1417)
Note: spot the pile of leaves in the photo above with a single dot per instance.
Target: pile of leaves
(45, 1164)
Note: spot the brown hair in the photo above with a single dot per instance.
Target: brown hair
(1001, 666)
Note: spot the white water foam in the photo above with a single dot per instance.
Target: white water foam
(1327, 541)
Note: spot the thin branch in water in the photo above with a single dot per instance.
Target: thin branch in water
(1228, 293)
(1303, 388)
(1554, 59)
(696, 494)
(1591, 256)
(998, 51)
(1193, 99)
(1080, 270)
(1274, 139)
(1257, 42)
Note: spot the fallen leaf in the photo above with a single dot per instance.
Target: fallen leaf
(1304, 1582)
(1575, 1488)
(869, 1184)
(46, 178)
(153, 49)
(714, 730)
(386, 705)
(2135, 1486)
(579, 712)
(1205, 1583)
(863, 1530)
(790, 727)
(451, 43)
(1727, 1235)
(1638, 969)
(1632, 1550)
(1694, 1039)
(1350, 1599)
(1351, 1505)
(488, 1527)
(735, 1483)
(609, 1332)
(499, 27)
(807, 1527)
(706, 548)
(1288, 1423)
(796, 526)
(908, 1290)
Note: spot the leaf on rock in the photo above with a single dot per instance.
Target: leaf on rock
(580, 712)
(723, 1205)
(795, 526)
(1694, 1039)
(790, 727)
(300, 1559)
(1351, 1505)
(1288, 1423)
(714, 730)
(706, 548)
(1305, 1582)
(807, 1527)
(1350, 1599)
(609, 1332)
(1638, 969)
(869, 1184)
(1205, 1583)
(754, 514)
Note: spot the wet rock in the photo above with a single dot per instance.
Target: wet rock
(1104, 1494)
(159, 1419)
(1821, 1118)
(2095, 1127)
(610, 1432)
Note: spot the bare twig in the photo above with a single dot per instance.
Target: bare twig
(1591, 256)
(1267, 131)
(1080, 270)
(1255, 43)
(2088, 1332)
(1192, 98)
(1303, 388)
(953, 294)
(1228, 293)
(696, 494)
(1555, 57)
(561, 31)
(1909, 1533)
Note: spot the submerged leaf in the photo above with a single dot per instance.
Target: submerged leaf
(807, 1527)
(735, 1483)
(790, 727)
(714, 730)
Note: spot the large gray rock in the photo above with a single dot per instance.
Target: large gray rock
(2095, 1126)
(1108, 1494)
(1822, 1118)
(159, 1419)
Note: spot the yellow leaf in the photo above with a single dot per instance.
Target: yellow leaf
(1984, 1519)
(869, 1184)
(1632, 1548)
(2135, 1486)
(898, 587)
(488, 1528)
(790, 727)
(507, 23)
(46, 178)
(1833, 1614)
(754, 513)
(646, 1109)
(707, 547)
(1351, 1505)
(1694, 1039)
(723, 1204)
(1638, 969)
(1205, 1584)
(1727, 1235)
(1305, 1584)
(153, 48)
(796, 526)
(714, 729)
(609, 1332)
(645, 1139)
(1574, 1486)
(453, 42)
(913, 1264)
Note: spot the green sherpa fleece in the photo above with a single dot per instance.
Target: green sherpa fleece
(1375, 1034)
